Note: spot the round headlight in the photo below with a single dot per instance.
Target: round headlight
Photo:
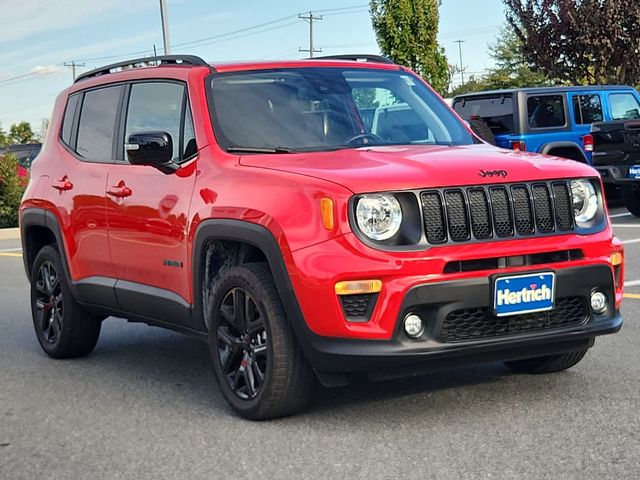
(378, 216)
(585, 201)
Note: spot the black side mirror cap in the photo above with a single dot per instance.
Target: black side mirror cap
(151, 148)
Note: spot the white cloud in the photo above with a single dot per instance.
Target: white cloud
(45, 69)
(27, 17)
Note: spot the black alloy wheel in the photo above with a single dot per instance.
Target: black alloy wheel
(242, 343)
(49, 303)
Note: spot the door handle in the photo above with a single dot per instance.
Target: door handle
(120, 191)
(63, 184)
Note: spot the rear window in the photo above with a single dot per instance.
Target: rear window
(496, 112)
(624, 106)
(545, 111)
(587, 109)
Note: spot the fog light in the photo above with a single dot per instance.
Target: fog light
(413, 325)
(598, 302)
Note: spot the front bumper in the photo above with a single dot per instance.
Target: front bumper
(434, 302)
(417, 283)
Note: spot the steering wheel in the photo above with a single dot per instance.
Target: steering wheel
(363, 136)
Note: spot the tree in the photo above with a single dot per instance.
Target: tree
(3, 138)
(11, 190)
(580, 41)
(407, 31)
(21, 133)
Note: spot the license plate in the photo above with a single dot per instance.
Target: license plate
(634, 172)
(528, 293)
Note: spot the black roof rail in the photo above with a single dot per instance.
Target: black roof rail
(356, 58)
(156, 61)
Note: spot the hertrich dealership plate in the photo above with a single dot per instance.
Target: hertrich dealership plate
(517, 294)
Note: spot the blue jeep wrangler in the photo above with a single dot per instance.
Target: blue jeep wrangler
(550, 120)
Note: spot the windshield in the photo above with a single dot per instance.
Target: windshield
(325, 108)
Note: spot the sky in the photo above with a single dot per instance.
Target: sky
(38, 37)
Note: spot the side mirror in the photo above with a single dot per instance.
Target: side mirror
(151, 148)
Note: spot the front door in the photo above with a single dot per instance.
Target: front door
(147, 210)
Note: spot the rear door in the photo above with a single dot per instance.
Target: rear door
(84, 156)
(148, 210)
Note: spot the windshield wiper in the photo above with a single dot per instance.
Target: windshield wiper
(237, 149)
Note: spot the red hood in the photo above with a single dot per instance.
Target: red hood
(371, 169)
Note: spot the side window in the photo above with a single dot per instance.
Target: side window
(156, 107)
(587, 109)
(96, 129)
(545, 111)
(190, 148)
(69, 116)
(624, 106)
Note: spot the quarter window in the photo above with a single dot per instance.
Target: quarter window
(97, 124)
(624, 106)
(69, 115)
(587, 109)
(545, 111)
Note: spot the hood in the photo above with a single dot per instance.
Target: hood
(371, 169)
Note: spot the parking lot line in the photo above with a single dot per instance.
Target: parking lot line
(635, 296)
(625, 225)
(633, 240)
(617, 215)
(10, 254)
(3, 250)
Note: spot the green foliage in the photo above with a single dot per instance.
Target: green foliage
(365, 98)
(407, 31)
(4, 141)
(11, 190)
(21, 133)
(580, 41)
(511, 68)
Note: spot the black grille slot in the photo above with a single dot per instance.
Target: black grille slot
(358, 308)
(457, 215)
(476, 323)
(564, 209)
(502, 220)
(522, 210)
(433, 213)
(481, 213)
(544, 211)
(480, 219)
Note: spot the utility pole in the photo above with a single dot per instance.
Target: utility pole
(460, 42)
(165, 26)
(73, 66)
(310, 18)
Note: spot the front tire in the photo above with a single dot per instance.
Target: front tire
(631, 200)
(63, 328)
(257, 362)
(548, 364)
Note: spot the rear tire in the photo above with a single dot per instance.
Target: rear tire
(548, 364)
(482, 130)
(64, 329)
(257, 362)
(631, 199)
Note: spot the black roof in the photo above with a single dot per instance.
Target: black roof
(559, 89)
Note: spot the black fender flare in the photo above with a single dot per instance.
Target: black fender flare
(257, 236)
(39, 217)
(547, 147)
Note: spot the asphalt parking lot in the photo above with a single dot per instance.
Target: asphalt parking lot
(145, 405)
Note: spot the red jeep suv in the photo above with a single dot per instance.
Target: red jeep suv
(322, 218)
